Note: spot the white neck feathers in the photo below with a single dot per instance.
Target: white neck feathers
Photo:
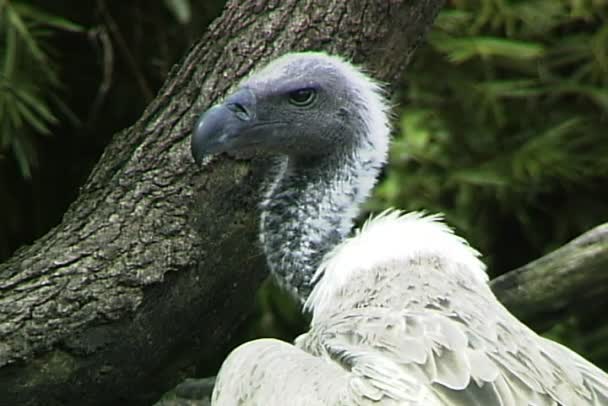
(392, 236)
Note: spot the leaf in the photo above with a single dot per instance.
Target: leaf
(453, 20)
(481, 176)
(10, 53)
(599, 45)
(24, 154)
(28, 77)
(15, 19)
(35, 103)
(459, 50)
(31, 118)
(520, 88)
(40, 17)
(13, 116)
(180, 9)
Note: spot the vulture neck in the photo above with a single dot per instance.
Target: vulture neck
(309, 208)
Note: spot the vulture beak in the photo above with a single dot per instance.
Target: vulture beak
(220, 128)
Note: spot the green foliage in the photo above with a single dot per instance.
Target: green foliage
(28, 78)
(506, 122)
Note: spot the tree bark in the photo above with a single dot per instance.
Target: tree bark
(570, 280)
(156, 263)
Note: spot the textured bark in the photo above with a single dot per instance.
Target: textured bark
(157, 260)
(571, 280)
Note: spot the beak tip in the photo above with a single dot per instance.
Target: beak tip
(196, 149)
(198, 160)
(205, 131)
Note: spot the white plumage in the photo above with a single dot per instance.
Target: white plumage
(402, 315)
(401, 311)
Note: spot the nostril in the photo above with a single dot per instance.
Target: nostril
(239, 110)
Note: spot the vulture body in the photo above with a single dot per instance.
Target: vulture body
(401, 311)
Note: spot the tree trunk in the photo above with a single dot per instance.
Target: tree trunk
(156, 263)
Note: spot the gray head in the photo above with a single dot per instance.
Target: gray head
(301, 104)
(328, 122)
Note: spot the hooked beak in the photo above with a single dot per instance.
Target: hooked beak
(220, 128)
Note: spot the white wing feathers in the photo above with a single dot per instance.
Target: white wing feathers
(270, 372)
(416, 326)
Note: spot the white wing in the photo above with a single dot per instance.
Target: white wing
(269, 372)
(454, 361)
(402, 315)
(406, 299)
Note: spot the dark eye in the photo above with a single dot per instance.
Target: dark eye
(302, 97)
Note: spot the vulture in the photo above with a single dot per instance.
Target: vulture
(402, 313)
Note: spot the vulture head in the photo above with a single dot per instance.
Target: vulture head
(328, 124)
(301, 105)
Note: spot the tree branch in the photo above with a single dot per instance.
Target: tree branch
(571, 279)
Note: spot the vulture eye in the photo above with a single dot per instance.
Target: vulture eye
(302, 97)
